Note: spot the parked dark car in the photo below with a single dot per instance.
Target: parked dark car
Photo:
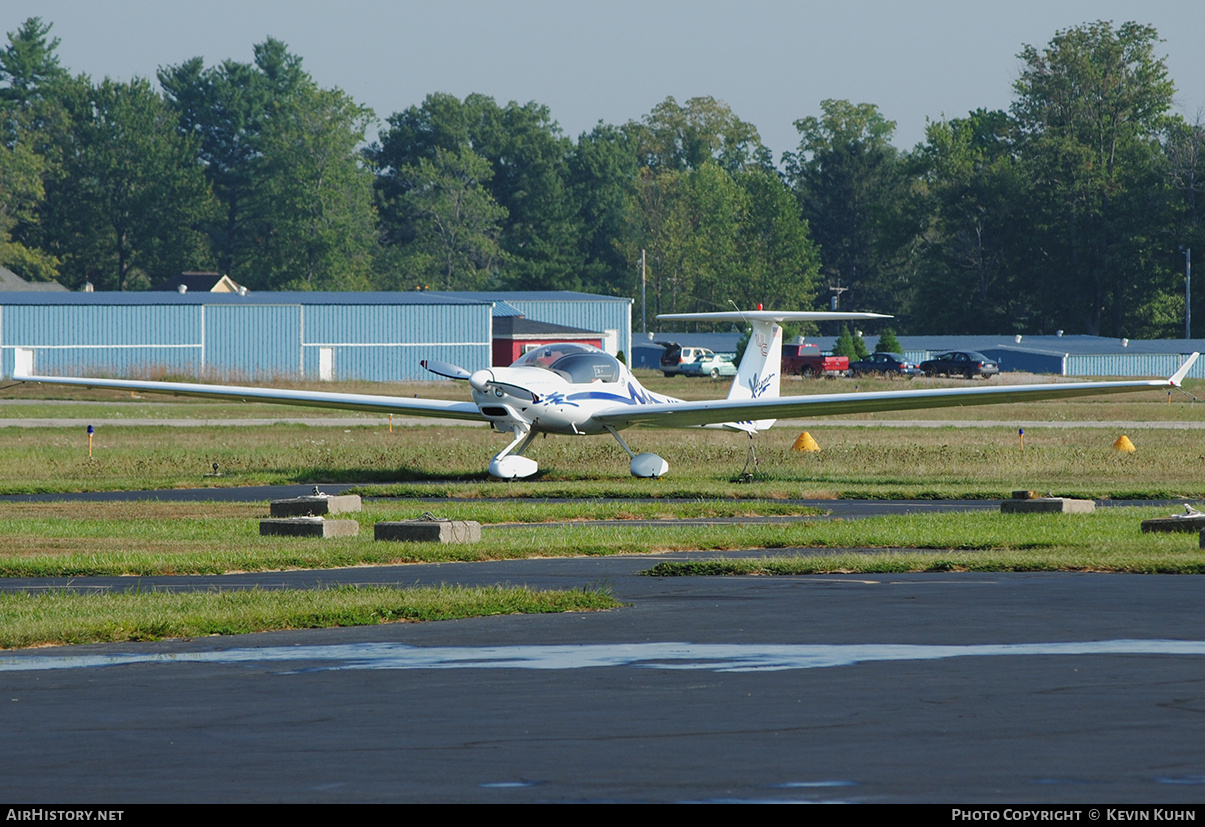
(966, 363)
(888, 364)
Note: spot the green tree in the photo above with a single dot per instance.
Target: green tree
(541, 233)
(660, 227)
(284, 159)
(34, 125)
(977, 240)
(778, 264)
(455, 224)
(847, 345)
(315, 224)
(716, 222)
(853, 191)
(1090, 106)
(680, 138)
(603, 171)
(129, 204)
(29, 67)
(21, 193)
(888, 343)
(1184, 155)
(225, 108)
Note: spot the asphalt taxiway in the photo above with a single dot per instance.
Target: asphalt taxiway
(934, 688)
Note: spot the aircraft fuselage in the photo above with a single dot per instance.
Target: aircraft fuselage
(541, 400)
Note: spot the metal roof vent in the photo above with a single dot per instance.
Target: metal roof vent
(182, 289)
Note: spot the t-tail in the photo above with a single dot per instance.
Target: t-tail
(758, 375)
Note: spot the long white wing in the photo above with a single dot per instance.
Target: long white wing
(398, 405)
(693, 414)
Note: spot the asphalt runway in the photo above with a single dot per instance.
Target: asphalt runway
(961, 688)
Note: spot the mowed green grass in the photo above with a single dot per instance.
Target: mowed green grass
(155, 538)
(144, 538)
(65, 617)
(432, 461)
(1110, 540)
(450, 460)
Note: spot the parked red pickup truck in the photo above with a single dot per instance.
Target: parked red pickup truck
(807, 360)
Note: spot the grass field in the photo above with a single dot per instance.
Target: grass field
(66, 617)
(855, 460)
(414, 462)
(450, 461)
(150, 538)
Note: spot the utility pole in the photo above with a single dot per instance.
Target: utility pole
(1188, 292)
(837, 291)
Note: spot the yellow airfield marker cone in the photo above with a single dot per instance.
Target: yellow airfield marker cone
(1123, 444)
(805, 443)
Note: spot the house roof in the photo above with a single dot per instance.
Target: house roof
(10, 281)
(195, 282)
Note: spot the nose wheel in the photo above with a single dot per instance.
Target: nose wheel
(509, 463)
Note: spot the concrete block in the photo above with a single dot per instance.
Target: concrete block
(1194, 522)
(311, 506)
(429, 531)
(308, 527)
(1047, 505)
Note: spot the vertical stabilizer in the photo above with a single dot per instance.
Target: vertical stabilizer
(757, 377)
(758, 374)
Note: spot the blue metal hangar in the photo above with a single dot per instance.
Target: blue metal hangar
(233, 337)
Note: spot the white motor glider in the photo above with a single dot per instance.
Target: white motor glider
(577, 389)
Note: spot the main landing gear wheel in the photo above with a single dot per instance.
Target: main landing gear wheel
(647, 466)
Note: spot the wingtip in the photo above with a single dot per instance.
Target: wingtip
(1179, 375)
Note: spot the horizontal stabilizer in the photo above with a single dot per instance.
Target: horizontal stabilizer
(778, 316)
(1178, 376)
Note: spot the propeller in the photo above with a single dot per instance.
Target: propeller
(445, 369)
(481, 380)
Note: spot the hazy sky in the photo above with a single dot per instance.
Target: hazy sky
(613, 60)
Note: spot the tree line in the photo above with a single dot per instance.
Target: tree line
(1072, 210)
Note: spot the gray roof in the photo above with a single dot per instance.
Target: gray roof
(502, 309)
(498, 299)
(11, 282)
(532, 296)
(144, 297)
(518, 326)
(1058, 345)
